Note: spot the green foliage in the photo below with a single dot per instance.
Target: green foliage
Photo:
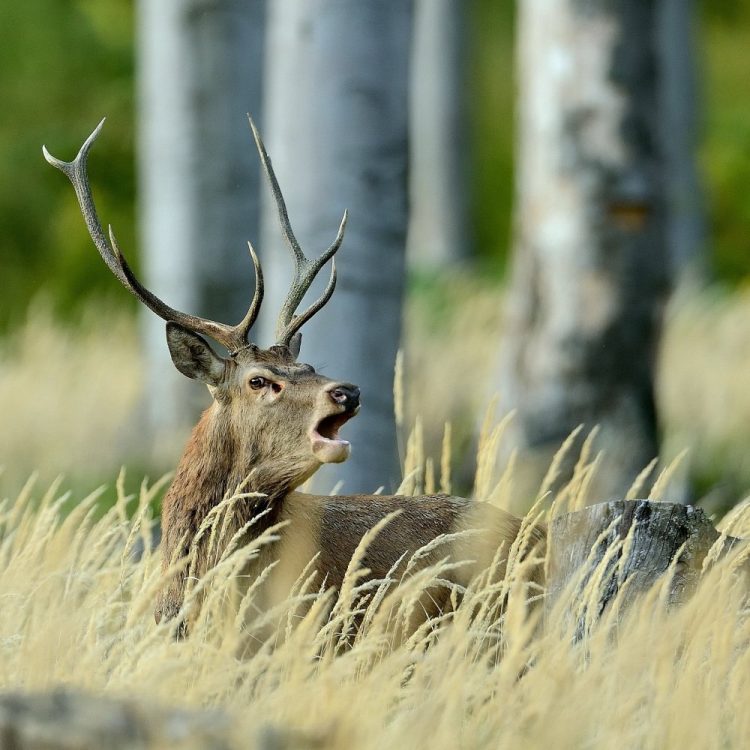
(66, 65)
(725, 153)
(491, 91)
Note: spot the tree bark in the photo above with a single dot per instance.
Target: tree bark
(336, 129)
(686, 224)
(438, 185)
(659, 532)
(67, 720)
(200, 72)
(590, 272)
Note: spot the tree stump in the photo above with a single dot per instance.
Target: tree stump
(628, 545)
(71, 720)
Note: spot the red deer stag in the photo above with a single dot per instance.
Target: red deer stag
(273, 421)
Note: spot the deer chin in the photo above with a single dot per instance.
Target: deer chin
(326, 444)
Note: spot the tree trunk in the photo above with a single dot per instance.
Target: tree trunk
(200, 72)
(686, 224)
(590, 267)
(66, 719)
(438, 185)
(659, 532)
(336, 129)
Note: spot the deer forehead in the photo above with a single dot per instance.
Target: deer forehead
(270, 364)
(297, 372)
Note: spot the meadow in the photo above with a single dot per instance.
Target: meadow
(77, 600)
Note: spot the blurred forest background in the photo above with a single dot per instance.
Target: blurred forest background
(65, 64)
(71, 378)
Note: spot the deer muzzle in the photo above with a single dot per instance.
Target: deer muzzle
(327, 446)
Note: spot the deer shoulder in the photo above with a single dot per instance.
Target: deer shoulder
(472, 533)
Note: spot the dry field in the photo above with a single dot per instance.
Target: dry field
(76, 612)
(76, 603)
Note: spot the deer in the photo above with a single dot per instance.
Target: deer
(272, 422)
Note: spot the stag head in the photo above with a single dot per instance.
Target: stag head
(272, 409)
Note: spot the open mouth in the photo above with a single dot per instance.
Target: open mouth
(327, 446)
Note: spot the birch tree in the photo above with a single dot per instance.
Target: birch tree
(590, 268)
(336, 129)
(199, 73)
(439, 234)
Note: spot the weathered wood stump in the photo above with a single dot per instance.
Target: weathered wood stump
(628, 545)
(69, 720)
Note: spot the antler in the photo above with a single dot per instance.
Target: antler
(305, 269)
(232, 337)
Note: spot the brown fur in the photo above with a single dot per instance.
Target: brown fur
(269, 439)
(263, 443)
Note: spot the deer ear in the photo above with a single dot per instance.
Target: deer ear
(193, 357)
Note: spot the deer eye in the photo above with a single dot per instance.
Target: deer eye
(257, 383)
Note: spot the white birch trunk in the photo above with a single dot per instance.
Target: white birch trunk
(200, 72)
(590, 267)
(336, 129)
(438, 184)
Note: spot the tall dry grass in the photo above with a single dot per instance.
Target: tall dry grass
(76, 603)
(703, 390)
(76, 612)
(68, 395)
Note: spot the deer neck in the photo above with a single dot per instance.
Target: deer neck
(216, 464)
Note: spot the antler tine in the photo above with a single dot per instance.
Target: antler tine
(288, 323)
(286, 226)
(244, 326)
(76, 172)
(298, 321)
(305, 269)
(232, 337)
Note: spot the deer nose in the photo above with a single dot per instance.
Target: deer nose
(345, 394)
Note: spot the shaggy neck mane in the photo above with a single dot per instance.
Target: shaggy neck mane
(213, 465)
